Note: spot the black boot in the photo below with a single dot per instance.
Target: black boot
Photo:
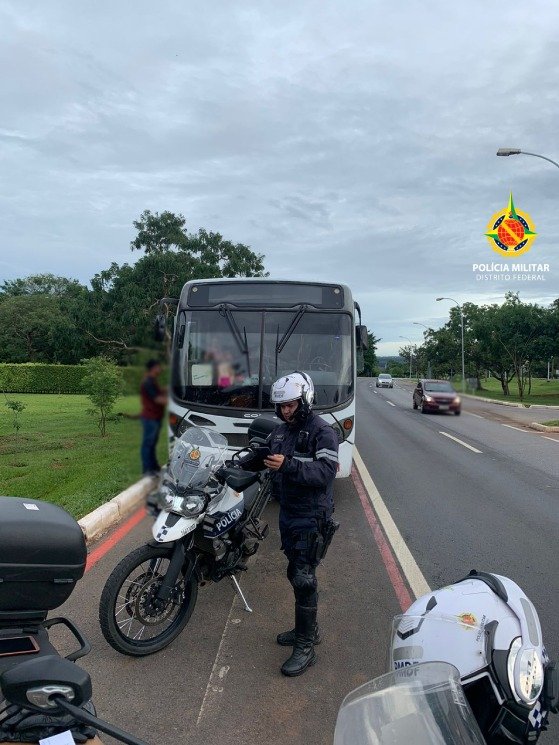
(303, 655)
(287, 638)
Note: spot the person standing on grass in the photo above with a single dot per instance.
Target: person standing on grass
(154, 400)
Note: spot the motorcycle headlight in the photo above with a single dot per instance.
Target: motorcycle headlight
(525, 672)
(189, 506)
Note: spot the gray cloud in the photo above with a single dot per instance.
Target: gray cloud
(353, 142)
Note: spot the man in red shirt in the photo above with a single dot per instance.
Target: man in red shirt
(154, 400)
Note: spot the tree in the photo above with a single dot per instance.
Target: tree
(398, 369)
(103, 384)
(44, 318)
(408, 353)
(32, 328)
(41, 284)
(125, 297)
(521, 326)
(158, 233)
(16, 407)
(370, 356)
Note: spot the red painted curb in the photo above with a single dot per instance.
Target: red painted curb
(114, 538)
(387, 555)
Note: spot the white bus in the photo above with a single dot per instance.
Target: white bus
(232, 338)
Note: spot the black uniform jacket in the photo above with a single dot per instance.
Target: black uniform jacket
(304, 484)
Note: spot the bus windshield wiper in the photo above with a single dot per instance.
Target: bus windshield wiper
(242, 342)
(292, 326)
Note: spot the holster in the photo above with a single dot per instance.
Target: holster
(322, 539)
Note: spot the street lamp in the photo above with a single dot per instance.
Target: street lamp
(461, 335)
(411, 350)
(514, 151)
(416, 323)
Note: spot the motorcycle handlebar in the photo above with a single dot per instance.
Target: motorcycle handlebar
(109, 729)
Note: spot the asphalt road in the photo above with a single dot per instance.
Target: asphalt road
(456, 508)
(220, 680)
(494, 510)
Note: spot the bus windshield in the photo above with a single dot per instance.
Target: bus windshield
(230, 358)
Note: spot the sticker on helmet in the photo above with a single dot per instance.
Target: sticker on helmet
(468, 620)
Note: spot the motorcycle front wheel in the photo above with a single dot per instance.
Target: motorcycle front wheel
(133, 619)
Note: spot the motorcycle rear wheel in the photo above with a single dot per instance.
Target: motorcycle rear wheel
(132, 620)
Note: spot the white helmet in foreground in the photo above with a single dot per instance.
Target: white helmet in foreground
(297, 386)
(489, 630)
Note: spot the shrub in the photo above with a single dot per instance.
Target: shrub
(47, 378)
(102, 384)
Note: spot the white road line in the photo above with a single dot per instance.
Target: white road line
(216, 679)
(545, 437)
(476, 415)
(461, 442)
(416, 580)
(391, 404)
(511, 427)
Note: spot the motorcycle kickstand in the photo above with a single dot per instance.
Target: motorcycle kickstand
(240, 593)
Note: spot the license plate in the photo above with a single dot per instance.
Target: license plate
(443, 407)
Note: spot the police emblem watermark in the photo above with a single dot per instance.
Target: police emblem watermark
(511, 233)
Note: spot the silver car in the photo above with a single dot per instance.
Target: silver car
(384, 380)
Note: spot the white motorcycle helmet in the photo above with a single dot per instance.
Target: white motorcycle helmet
(293, 387)
(486, 627)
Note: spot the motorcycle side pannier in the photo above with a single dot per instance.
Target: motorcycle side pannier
(42, 555)
(260, 429)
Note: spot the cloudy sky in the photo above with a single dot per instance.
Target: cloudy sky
(351, 141)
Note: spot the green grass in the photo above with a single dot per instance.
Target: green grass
(543, 391)
(59, 455)
(552, 423)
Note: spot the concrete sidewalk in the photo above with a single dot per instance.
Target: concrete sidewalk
(112, 512)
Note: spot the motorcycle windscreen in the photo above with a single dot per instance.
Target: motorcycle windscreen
(196, 455)
(423, 704)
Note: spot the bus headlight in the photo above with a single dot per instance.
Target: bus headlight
(343, 428)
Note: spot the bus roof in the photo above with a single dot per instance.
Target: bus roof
(278, 293)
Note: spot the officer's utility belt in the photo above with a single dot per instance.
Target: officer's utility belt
(322, 539)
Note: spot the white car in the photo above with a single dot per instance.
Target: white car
(384, 381)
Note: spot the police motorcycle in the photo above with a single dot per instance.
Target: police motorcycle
(210, 522)
(42, 693)
(468, 666)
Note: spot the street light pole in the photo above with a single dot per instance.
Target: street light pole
(461, 335)
(411, 348)
(502, 151)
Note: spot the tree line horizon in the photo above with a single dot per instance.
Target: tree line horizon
(48, 318)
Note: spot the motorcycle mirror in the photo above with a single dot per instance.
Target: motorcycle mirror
(34, 684)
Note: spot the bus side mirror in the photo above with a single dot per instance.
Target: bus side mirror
(159, 327)
(361, 337)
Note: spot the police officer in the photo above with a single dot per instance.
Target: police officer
(304, 458)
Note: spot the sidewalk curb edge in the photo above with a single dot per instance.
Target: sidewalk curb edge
(107, 515)
(543, 427)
